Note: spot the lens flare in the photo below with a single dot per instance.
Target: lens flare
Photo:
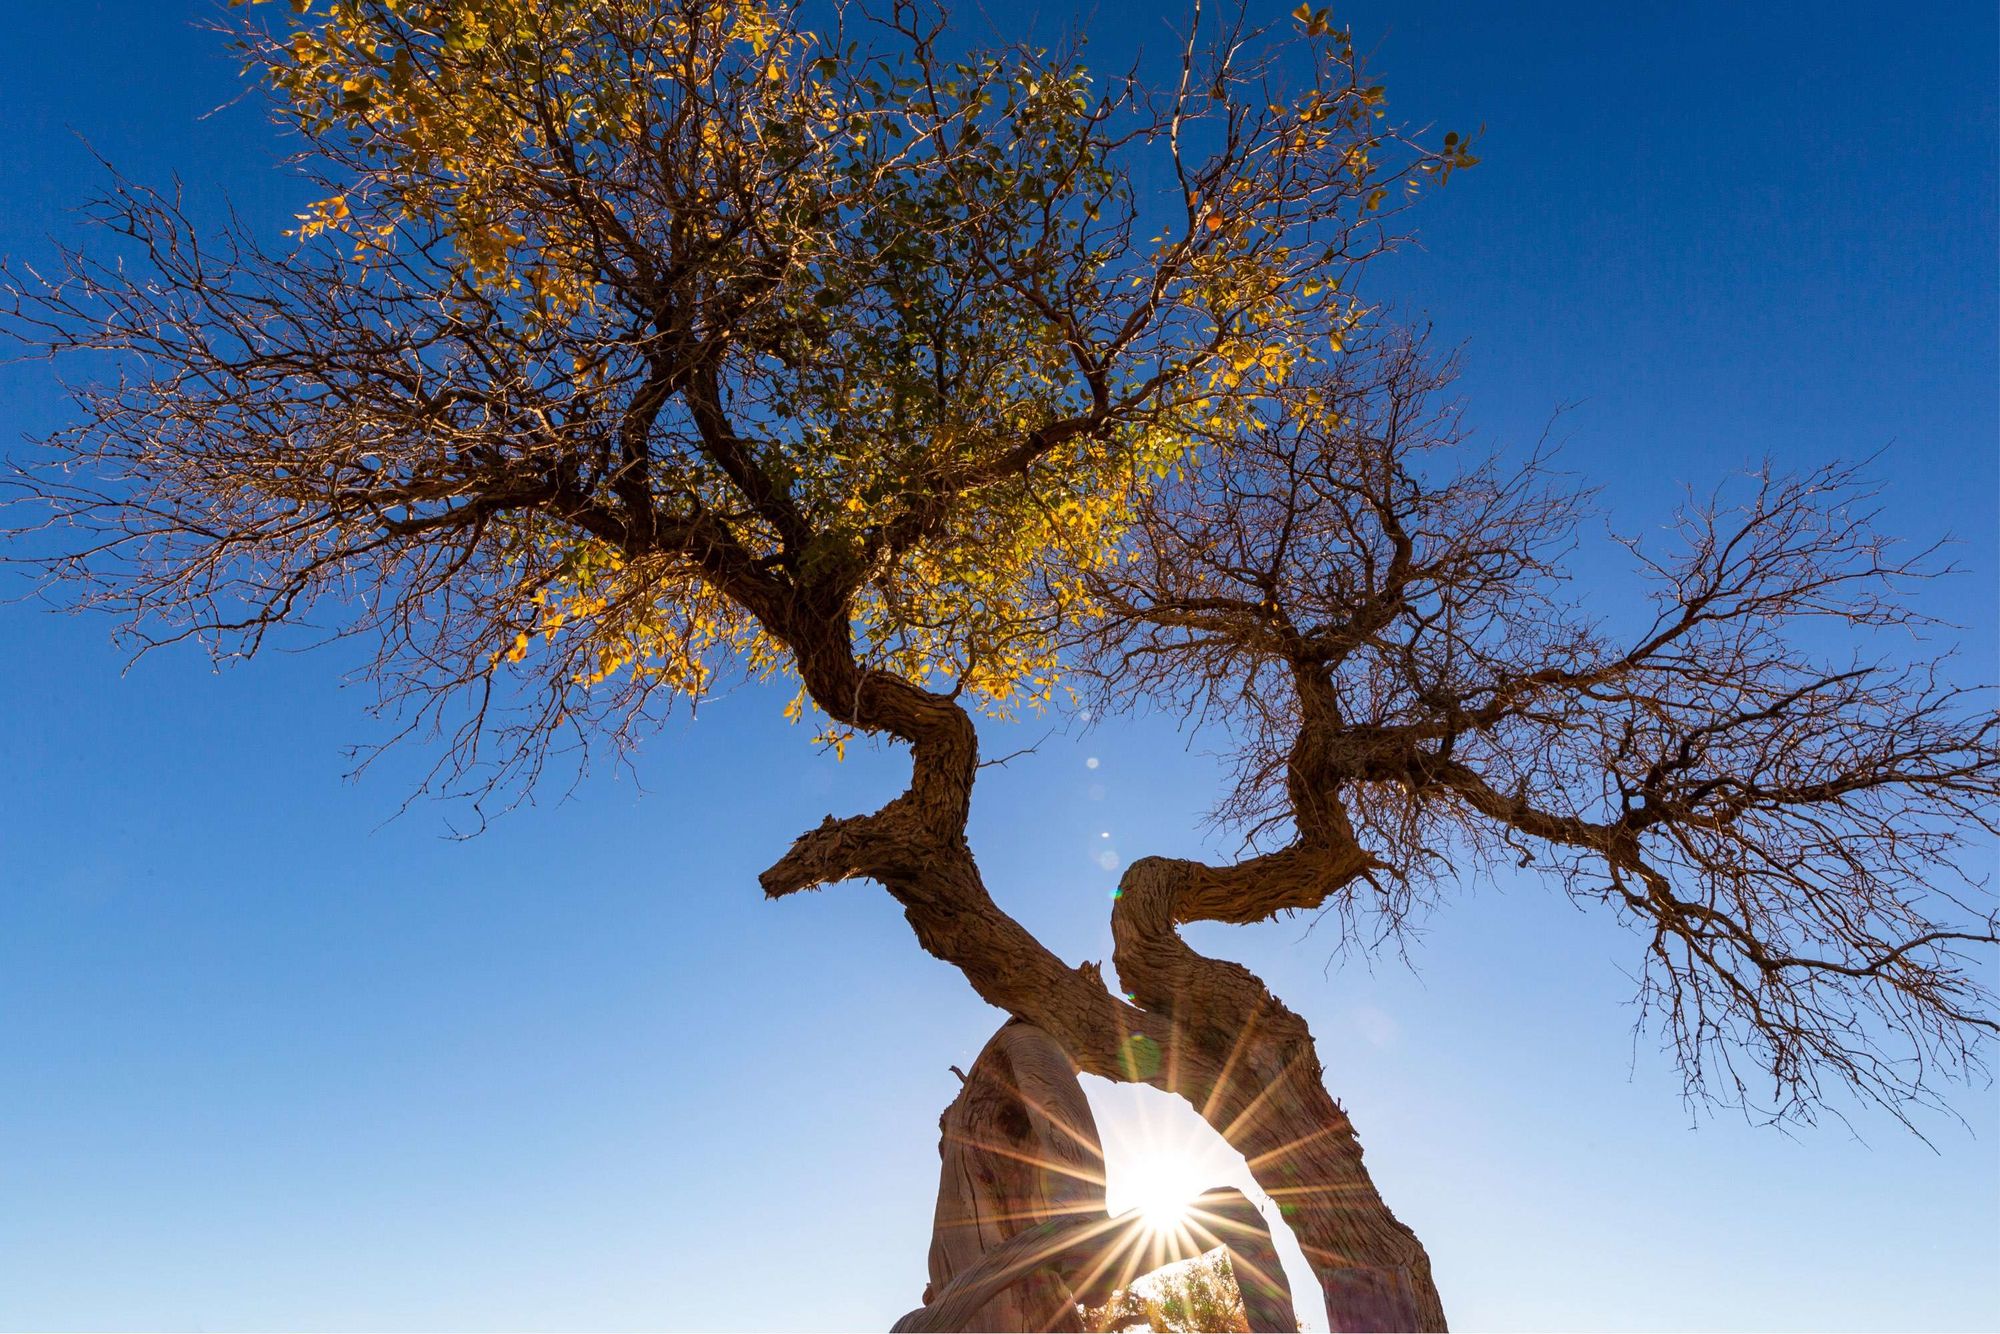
(1164, 1186)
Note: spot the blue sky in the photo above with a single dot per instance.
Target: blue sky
(272, 1058)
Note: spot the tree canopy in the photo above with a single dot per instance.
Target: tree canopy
(618, 326)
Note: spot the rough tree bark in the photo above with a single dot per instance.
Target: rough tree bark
(1204, 1029)
(1248, 1065)
(1021, 1233)
(1019, 1146)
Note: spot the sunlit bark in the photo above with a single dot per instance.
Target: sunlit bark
(1022, 1239)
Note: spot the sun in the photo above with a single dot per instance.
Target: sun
(1164, 1185)
(1159, 1158)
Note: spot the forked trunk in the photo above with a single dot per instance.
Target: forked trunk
(1201, 1028)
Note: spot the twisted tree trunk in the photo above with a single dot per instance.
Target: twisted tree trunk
(1248, 1065)
(1201, 1028)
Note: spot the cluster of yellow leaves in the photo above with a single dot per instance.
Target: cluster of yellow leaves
(982, 607)
(478, 115)
(657, 626)
(510, 127)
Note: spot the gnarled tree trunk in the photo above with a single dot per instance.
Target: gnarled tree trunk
(1019, 1147)
(1021, 1234)
(1248, 1064)
(1201, 1028)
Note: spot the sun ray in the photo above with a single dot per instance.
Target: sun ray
(1083, 1174)
(1185, 1189)
(1221, 1089)
(1291, 1146)
(1086, 1141)
(1256, 1104)
(1237, 1258)
(1124, 1250)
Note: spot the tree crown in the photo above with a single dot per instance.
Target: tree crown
(635, 343)
(622, 334)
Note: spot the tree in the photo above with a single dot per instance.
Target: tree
(638, 344)
(1200, 1294)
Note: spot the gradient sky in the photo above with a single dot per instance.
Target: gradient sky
(272, 1058)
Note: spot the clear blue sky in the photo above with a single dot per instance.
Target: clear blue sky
(271, 1059)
